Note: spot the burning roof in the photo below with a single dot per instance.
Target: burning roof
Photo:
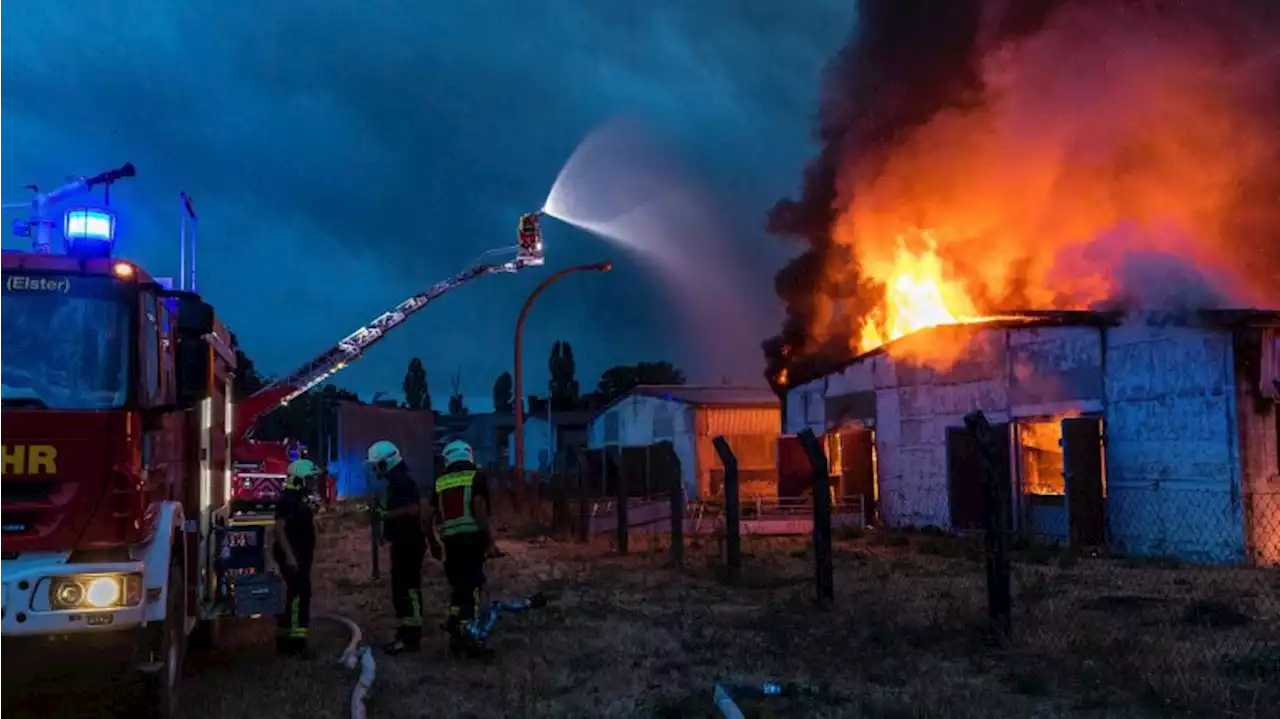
(982, 155)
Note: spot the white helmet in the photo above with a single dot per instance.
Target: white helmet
(458, 451)
(383, 455)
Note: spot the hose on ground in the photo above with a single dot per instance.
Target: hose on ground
(356, 655)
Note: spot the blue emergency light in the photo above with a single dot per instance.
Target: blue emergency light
(90, 232)
(97, 225)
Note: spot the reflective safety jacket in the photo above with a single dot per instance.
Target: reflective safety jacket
(453, 491)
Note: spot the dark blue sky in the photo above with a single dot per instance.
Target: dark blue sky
(343, 155)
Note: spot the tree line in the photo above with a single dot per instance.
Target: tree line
(312, 416)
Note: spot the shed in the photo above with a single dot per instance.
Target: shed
(537, 446)
(689, 417)
(1151, 433)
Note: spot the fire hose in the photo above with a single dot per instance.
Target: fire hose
(483, 626)
(356, 655)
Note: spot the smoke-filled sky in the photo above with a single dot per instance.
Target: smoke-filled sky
(1013, 154)
(343, 155)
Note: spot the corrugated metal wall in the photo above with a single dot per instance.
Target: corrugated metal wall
(361, 425)
(715, 421)
(751, 433)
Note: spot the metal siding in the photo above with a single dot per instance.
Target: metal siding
(1055, 364)
(742, 420)
(1172, 484)
(361, 425)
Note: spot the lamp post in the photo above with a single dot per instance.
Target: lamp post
(519, 374)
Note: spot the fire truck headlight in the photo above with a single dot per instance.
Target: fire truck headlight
(103, 592)
(97, 591)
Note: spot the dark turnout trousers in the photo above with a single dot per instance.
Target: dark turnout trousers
(293, 625)
(464, 568)
(406, 590)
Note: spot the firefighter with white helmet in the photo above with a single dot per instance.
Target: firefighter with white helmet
(459, 503)
(402, 527)
(294, 551)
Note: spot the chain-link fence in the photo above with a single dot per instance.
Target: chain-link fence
(1191, 618)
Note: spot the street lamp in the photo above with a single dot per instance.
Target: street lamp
(519, 374)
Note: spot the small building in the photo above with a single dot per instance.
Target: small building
(537, 446)
(550, 442)
(1152, 433)
(688, 418)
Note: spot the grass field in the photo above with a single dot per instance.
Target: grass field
(626, 636)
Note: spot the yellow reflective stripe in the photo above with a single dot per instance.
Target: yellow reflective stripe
(458, 526)
(455, 480)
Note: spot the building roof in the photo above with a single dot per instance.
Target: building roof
(818, 368)
(711, 396)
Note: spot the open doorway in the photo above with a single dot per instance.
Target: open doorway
(852, 457)
(1062, 481)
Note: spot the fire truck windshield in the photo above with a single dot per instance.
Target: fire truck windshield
(65, 342)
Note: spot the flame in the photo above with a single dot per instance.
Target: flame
(917, 295)
(1114, 179)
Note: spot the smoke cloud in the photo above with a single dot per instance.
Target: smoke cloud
(1059, 154)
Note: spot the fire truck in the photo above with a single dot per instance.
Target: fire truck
(118, 453)
(259, 474)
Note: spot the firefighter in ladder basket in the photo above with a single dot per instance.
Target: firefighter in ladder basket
(460, 503)
(402, 528)
(294, 551)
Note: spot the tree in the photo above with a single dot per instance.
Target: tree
(503, 387)
(457, 403)
(416, 393)
(617, 381)
(248, 380)
(564, 384)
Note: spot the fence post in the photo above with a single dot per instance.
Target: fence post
(995, 502)
(584, 472)
(621, 503)
(732, 513)
(824, 571)
(677, 512)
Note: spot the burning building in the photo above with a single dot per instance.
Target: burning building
(1112, 164)
(1151, 433)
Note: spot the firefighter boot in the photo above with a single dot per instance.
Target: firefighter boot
(408, 639)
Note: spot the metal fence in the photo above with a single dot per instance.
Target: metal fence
(1174, 602)
(1176, 597)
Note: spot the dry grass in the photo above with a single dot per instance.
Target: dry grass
(626, 636)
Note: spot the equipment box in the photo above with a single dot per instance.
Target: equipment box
(254, 594)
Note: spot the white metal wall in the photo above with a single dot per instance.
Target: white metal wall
(641, 421)
(537, 445)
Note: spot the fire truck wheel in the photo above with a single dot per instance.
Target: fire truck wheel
(161, 687)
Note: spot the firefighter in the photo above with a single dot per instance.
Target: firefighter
(294, 549)
(460, 502)
(402, 528)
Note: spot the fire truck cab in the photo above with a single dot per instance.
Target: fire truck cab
(116, 468)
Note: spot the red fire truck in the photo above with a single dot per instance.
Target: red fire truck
(117, 437)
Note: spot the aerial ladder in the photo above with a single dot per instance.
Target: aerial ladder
(262, 462)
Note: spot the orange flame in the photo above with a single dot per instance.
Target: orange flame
(1069, 185)
(917, 296)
